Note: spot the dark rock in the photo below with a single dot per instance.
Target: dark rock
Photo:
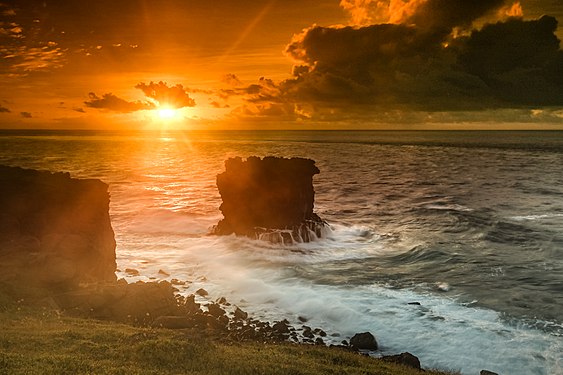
(281, 327)
(487, 372)
(414, 303)
(319, 341)
(270, 199)
(163, 273)
(405, 359)
(307, 332)
(132, 272)
(201, 292)
(302, 319)
(319, 332)
(215, 310)
(240, 315)
(55, 231)
(173, 322)
(222, 301)
(364, 341)
(177, 282)
(345, 343)
(190, 305)
(204, 321)
(223, 320)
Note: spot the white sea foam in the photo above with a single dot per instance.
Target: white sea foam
(535, 217)
(448, 207)
(164, 199)
(442, 332)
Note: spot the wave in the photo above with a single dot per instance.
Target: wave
(431, 330)
(535, 217)
(268, 281)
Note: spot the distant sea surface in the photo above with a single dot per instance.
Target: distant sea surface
(467, 224)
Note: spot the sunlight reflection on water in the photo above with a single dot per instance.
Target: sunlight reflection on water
(484, 218)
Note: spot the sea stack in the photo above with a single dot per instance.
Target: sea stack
(55, 231)
(270, 199)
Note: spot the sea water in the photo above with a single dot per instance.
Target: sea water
(448, 245)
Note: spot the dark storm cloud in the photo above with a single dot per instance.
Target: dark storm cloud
(171, 96)
(441, 16)
(264, 99)
(423, 63)
(4, 109)
(26, 114)
(520, 61)
(113, 103)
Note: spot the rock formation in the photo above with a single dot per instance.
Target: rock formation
(364, 340)
(270, 198)
(405, 359)
(54, 230)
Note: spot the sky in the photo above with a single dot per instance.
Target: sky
(273, 64)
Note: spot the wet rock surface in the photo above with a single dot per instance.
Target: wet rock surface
(55, 230)
(270, 198)
(364, 340)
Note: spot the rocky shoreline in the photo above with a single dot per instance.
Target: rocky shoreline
(158, 305)
(57, 252)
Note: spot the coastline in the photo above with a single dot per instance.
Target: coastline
(72, 340)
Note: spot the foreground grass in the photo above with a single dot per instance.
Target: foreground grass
(40, 342)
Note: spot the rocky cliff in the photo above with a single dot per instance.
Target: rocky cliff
(270, 198)
(54, 230)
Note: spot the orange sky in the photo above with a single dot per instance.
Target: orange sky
(402, 64)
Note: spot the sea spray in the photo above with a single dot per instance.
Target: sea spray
(479, 211)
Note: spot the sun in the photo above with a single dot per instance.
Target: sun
(166, 113)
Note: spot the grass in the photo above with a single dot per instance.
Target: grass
(40, 341)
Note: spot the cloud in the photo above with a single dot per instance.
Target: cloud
(216, 104)
(4, 109)
(26, 114)
(429, 15)
(442, 16)
(520, 61)
(21, 51)
(113, 103)
(231, 80)
(438, 56)
(169, 96)
(157, 95)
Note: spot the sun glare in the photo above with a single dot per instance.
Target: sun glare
(166, 113)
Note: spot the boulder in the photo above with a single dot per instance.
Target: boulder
(190, 305)
(364, 341)
(281, 327)
(54, 230)
(270, 199)
(487, 372)
(215, 310)
(240, 314)
(405, 359)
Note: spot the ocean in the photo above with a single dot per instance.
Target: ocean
(448, 245)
